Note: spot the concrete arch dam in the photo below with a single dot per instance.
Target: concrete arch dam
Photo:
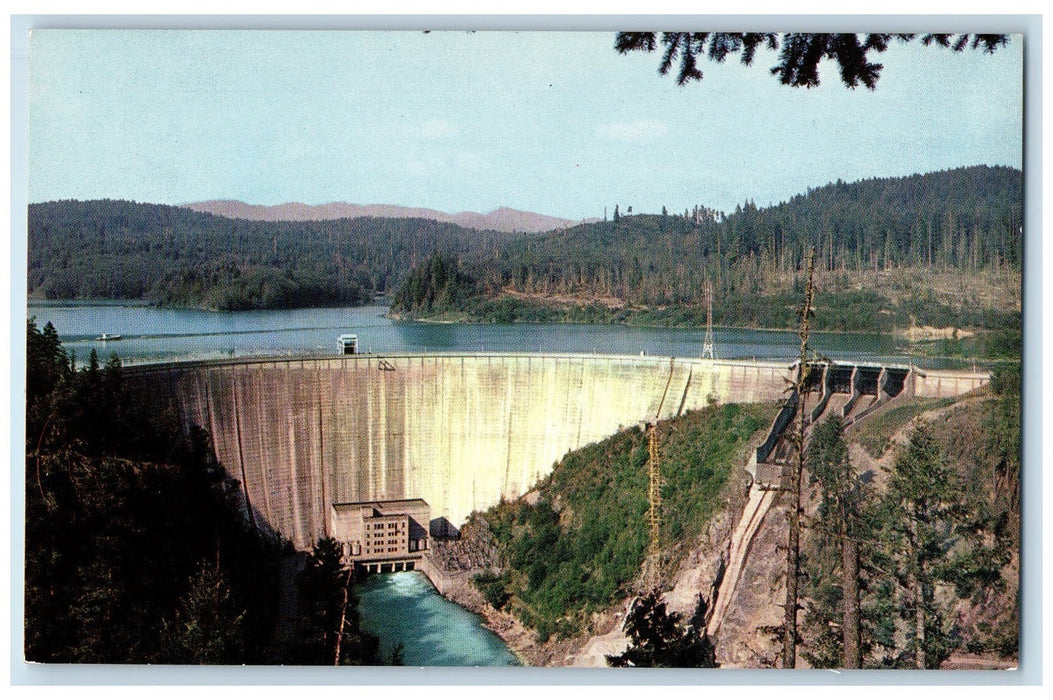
(461, 431)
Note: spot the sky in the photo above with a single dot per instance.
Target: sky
(553, 122)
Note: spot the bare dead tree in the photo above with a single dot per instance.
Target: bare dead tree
(793, 545)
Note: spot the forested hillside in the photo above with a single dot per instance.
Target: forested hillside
(942, 249)
(178, 257)
(967, 219)
(884, 248)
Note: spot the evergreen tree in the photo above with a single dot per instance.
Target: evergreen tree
(207, 627)
(46, 361)
(921, 510)
(799, 53)
(962, 219)
(329, 629)
(121, 508)
(47, 368)
(1003, 433)
(793, 536)
(659, 641)
(840, 527)
(437, 285)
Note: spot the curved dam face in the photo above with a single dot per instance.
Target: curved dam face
(460, 431)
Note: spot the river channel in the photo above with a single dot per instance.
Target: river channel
(403, 608)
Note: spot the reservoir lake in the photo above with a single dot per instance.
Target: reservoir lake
(151, 334)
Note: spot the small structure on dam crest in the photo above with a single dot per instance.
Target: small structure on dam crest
(381, 536)
(348, 344)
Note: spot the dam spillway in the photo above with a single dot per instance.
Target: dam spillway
(461, 431)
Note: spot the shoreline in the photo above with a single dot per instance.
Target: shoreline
(926, 333)
(456, 587)
(519, 639)
(151, 304)
(902, 333)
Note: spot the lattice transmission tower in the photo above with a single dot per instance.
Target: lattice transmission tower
(707, 342)
(653, 563)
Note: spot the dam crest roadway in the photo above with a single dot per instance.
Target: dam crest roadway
(460, 430)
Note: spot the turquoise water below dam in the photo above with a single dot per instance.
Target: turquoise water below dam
(404, 608)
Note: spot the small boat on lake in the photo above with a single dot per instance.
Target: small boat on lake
(106, 336)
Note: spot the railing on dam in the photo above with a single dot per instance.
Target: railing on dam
(147, 367)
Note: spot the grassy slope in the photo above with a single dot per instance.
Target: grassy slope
(877, 437)
(581, 544)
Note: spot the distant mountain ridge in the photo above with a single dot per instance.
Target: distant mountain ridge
(501, 219)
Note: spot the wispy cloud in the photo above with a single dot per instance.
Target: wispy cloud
(636, 131)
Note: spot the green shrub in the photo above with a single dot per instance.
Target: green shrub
(494, 588)
(582, 543)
